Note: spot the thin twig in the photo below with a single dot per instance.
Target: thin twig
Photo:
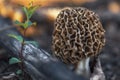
(21, 53)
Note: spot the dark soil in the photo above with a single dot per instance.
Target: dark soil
(110, 58)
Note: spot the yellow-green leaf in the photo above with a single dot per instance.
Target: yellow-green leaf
(26, 12)
(29, 23)
(31, 10)
(14, 60)
(18, 72)
(19, 38)
(19, 23)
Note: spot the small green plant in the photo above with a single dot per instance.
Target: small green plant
(18, 72)
(25, 25)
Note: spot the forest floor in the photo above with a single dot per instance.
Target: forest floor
(111, 57)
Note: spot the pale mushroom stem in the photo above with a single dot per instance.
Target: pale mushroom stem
(98, 73)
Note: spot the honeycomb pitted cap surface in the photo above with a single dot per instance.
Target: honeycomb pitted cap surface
(78, 34)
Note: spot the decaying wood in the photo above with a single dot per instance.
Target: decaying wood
(38, 63)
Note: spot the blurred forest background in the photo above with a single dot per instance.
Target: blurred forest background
(108, 10)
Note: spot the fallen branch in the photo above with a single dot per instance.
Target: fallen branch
(39, 64)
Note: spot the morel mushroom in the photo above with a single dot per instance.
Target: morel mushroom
(78, 35)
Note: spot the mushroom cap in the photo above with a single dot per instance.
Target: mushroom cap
(78, 34)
